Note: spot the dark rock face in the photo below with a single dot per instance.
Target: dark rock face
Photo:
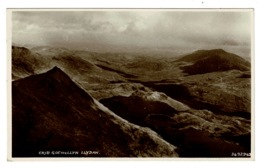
(51, 113)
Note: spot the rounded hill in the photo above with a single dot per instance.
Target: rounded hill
(206, 61)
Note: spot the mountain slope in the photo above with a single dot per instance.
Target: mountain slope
(23, 62)
(80, 67)
(193, 131)
(26, 62)
(206, 61)
(51, 113)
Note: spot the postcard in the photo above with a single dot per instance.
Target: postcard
(131, 84)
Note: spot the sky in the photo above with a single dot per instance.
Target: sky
(162, 30)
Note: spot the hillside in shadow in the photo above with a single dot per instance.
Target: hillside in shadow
(52, 113)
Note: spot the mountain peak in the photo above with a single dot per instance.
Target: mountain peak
(55, 69)
(23, 50)
(58, 75)
(216, 51)
(206, 61)
(53, 83)
(203, 54)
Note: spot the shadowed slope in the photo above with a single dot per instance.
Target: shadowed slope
(51, 113)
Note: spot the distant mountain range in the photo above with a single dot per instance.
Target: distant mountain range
(27, 61)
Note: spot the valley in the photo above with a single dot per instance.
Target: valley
(130, 104)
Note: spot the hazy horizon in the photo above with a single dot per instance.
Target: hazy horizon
(135, 30)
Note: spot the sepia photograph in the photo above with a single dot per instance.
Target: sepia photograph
(131, 83)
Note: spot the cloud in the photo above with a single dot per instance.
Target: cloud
(147, 28)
